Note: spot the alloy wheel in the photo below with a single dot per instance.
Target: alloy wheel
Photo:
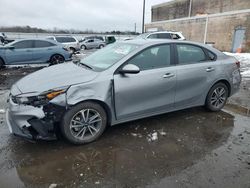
(85, 124)
(218, 97)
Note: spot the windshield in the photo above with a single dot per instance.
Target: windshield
(108, 56)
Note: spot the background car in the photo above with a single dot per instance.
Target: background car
(33, 51)
(69, 42)
(163, 35)
(92, 43)
(92, 37)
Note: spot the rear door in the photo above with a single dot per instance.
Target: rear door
(22, 52)
(150, 91)
(196, 70)
(43, 50)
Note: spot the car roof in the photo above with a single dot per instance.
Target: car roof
(42, 39)
(150, 42)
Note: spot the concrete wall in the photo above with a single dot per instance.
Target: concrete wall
(220, 29)
(180, 8)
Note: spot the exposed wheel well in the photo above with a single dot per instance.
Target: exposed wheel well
(2, 61)
(104, 105)
(227, 84)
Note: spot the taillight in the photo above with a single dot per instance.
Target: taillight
(238, 64)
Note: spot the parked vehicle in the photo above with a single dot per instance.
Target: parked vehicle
(124, 81)
(33, 51)
(92, 37)
(110, 39)
(4, 39)
(69, 42)
(162, 35)
(92, 43)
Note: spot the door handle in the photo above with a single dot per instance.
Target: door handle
(168, 75)
(210, 69)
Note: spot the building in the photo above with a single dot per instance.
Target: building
(224, 23)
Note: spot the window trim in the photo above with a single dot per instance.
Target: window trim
(205, 51)
(172, 57)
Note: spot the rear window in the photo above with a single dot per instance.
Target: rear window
(160, 36)
(43, 44)
(188, 54)
(65, 39)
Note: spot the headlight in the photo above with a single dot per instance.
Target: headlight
(39, 100)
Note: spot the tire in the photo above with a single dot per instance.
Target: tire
(77, 126)
(83, 47)
(56, 59)
(217, 97)
(101, 46)
(1, 64)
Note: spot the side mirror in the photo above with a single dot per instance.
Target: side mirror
(130, 69)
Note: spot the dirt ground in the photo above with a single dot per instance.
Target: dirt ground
(191, 148)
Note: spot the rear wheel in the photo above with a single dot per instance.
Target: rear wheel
(84, 123)
(83, 47)
(56, 59)
(101, 46)
(217, 97)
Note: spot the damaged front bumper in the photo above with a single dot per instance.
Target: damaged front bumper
(36, 123)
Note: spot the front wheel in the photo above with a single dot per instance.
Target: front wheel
(56, 59)
(217, 97)
(101, 46)
(84, 123)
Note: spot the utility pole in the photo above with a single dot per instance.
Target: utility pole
(135, 28)
(143, 17)
(190, 8)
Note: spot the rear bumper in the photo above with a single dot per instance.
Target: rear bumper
(28, 122)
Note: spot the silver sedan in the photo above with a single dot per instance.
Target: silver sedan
(123, 82)
(92, 43)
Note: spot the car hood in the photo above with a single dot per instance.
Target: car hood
(56, 76)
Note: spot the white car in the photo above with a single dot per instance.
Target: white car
(163, 35)
(69, 42)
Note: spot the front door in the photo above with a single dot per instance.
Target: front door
(21, 54)
(150, 91)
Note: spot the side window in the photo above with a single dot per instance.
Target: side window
(175, 36)
(60, 39)
(69, 39)
(153, 36)
(43, 44)
(164, 36)
(211, 56)
(152, 58)
(23, 44)
(190, 54)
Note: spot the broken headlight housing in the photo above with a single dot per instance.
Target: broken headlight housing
(38, 100)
